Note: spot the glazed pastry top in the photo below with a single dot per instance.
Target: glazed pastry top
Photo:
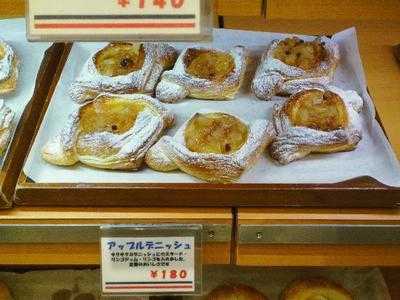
(211, 65)
(215, 133)
(317, 109)
(118, 59)
(301, 54)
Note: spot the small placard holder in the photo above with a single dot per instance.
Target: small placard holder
(151, 260)
(110, 20)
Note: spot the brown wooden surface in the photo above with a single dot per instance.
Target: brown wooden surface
(88, 254)
(392, 278)
(240, 7)
(12, 8)
(397, 52)
(333, 9)
(260, 216)
(363, 192)
(317, 255)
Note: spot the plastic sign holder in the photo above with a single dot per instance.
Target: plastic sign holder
(110, 20)
(151, 260)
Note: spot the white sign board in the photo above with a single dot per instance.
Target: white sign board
(150, 261)
(117, 19)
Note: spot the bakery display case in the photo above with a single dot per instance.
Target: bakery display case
(284, 212)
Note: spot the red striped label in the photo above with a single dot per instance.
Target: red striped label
(111, 25)
(135, 287)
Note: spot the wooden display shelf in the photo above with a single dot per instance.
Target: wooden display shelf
(320, 237)
(47, 250)
(358, 192)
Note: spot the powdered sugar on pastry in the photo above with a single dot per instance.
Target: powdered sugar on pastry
(6, 117)
(105, 149)
(179, 83)
(274, 77)
(295, 142)
(6, 61)
(172, 153)
(90, 82)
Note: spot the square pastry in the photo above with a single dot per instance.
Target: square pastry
(292, 63)
(204, 73)
(123, 68)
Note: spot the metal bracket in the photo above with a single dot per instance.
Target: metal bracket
(83, 233)
(335, 234)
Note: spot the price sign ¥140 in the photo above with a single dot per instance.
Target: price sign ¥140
(115, 19)
(150, 264)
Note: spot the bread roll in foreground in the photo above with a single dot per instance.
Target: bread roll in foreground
(5, 292)
(315, 289)
(235, 292)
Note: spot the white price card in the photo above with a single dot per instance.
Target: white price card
(119, 19)
(151, 260)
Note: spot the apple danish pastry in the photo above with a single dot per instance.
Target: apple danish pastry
(110, 132)
(292, 63)
(315, 289)
(235, 292)
(123, 68)
(316, 121)
(204, 74)
(213, 146)
(9, 68)
(6, 117)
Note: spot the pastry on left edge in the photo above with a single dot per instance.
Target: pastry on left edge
(110, 132)
(236, 292)
(213, 146)
(6, 117)
(9, 68)
(123, 68)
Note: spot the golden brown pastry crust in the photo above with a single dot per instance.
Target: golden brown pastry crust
(172, 153)
(9, 68)
(110, 132)
(291, 64)
(316, 121)
(236, 292)
(204, 73)
(315, 289)
(123, 68)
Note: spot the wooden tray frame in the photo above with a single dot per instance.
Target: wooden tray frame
(360, 192)
(24, 132)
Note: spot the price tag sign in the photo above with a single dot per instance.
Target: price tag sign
(119, 20)
(151, 259)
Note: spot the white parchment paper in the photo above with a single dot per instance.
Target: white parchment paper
(373, 157)
(362, 283)
(13, 32)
